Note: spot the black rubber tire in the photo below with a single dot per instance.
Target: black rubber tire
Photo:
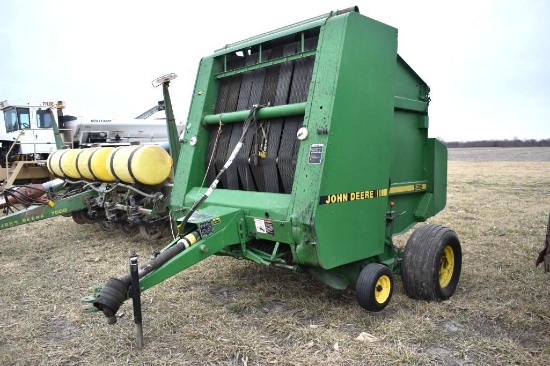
(374, 287)
(429, 251)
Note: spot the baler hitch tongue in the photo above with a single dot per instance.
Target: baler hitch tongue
(110, 297)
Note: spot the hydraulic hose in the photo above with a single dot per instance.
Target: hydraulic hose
(116, 290)
(26, 195)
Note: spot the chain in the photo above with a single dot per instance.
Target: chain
(220, 124)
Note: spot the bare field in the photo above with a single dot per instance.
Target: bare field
(229, 312)
(532, 154)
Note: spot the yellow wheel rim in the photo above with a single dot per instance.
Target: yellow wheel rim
(447, 266)
(382, 289)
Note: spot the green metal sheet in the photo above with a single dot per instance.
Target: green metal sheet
(192, 155)
(56, 208)
(353, 99)
(281, 32)
(225, 234)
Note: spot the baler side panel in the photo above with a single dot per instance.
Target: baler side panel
(414, 156)
(407, 138)
(435, 155)
(191, 166)
(407, 166)
(356, 162)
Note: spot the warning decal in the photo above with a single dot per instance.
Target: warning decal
(206, 228)
(264, 226)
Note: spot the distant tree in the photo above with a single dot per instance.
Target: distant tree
(515, 142)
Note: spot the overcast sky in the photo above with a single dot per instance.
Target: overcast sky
(486, 61)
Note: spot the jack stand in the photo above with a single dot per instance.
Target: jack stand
(136, 300)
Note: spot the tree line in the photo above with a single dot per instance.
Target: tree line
(499, 143)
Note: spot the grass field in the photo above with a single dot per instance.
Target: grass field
(229, 312)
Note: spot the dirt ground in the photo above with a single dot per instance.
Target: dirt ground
(229, 312)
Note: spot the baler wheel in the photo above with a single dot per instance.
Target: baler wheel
(374, 287)
(431, 263)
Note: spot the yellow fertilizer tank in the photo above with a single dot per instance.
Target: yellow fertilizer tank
(61, 163)
(145, 164)
(53, 163)
(68, 164)
(97, 163)
(83, 162)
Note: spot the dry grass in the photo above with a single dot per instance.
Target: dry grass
(229, 312)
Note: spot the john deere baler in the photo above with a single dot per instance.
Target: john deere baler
(307, 148)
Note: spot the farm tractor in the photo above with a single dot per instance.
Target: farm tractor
(305, 148)
(28, 134)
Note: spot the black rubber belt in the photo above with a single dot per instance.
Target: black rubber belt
(223, 93)
(269, 164)
(232, 173)
(268, 96)
(227, 105)
(289, 83)
(244, 160)
(288, 150)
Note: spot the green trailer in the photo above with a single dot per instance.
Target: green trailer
(307, 148)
